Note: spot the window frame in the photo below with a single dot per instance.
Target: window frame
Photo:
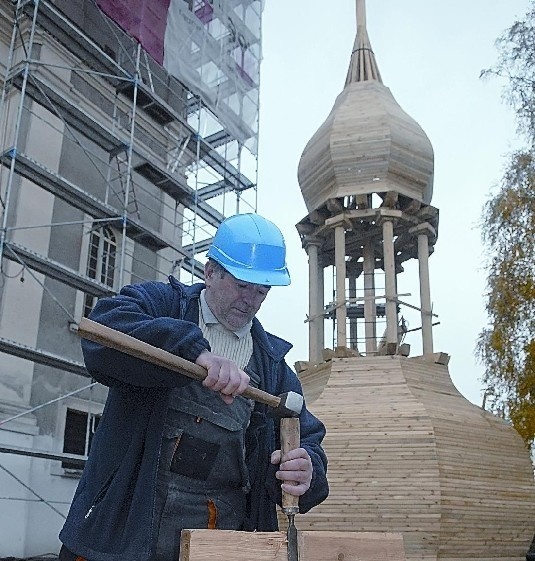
(93, 408)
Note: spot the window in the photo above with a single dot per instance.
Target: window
(80, 426)
(100, 261)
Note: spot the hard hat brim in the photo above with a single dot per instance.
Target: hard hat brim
(266, 278)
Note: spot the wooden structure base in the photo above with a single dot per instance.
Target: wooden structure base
(227, 545)
(408, 453)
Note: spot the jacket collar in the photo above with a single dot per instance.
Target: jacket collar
(274, 346)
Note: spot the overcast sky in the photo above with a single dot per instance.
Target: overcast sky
(430, 54)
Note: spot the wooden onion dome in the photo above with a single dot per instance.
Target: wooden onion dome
(367, 144)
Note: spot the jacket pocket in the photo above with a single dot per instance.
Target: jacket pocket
(99, 497)
(209, 445)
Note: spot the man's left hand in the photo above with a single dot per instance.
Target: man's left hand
(296, 466)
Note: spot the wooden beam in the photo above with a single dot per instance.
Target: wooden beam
(315, 302)
(363, 201)
(301, 365)
(317, 217)
(370, 310)
(412, 207)
(334, 206)
(390, 199)
(390, 283)
(425, 294)
(340, 265)
(226, 545)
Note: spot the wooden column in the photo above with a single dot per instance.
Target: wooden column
(352, 294)
(425, 294)
(340, 265)
(390, 283)
(370, 316)
(320, 306)
(315, 302)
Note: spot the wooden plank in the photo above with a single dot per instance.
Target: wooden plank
(228, 545)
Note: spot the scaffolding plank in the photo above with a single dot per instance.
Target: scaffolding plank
(33, 453)
(41, 357)
(219, 138)
(218, 163)
(55, 270)
(198, 247)
(214, 189)
(156, 108)
(192, 266)
(163, 113)
(179, 191)
(171, 185)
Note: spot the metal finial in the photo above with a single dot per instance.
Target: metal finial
(361, 13)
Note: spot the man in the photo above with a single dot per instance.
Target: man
(171, 453)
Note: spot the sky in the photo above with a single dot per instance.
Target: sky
(430, 54)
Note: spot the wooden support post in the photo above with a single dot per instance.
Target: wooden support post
(320, 306)
(226, 545)
(425, 294)
(353, 324)
(370, 315)
(390, 283)
(340, 264)
(315, 302)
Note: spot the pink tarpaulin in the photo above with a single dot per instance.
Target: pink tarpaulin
(145, 20)
(203, 43)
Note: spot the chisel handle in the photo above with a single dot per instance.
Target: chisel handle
(290, 436)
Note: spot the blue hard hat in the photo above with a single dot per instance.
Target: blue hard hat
(251, 249)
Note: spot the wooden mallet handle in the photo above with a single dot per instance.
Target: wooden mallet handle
(290, 435)
(89, 329)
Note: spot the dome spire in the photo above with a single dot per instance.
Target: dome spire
(361, 13)
(363, 66)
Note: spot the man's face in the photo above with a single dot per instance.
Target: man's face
(233, 302)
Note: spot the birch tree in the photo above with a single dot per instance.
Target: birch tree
(506, 347)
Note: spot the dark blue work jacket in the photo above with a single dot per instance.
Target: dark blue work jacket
(112, 514)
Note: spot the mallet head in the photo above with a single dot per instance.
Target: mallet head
(291, 405)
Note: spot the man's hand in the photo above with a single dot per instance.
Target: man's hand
(295, 465)
(224, 376)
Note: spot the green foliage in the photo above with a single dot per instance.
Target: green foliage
(507, 346)
(516, 56)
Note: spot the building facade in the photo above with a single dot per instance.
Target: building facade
(122, 147)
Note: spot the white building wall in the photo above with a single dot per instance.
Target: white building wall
(28, 525)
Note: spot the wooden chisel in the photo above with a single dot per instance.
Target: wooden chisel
(290, 436)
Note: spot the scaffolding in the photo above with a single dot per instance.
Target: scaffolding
(113, 170)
